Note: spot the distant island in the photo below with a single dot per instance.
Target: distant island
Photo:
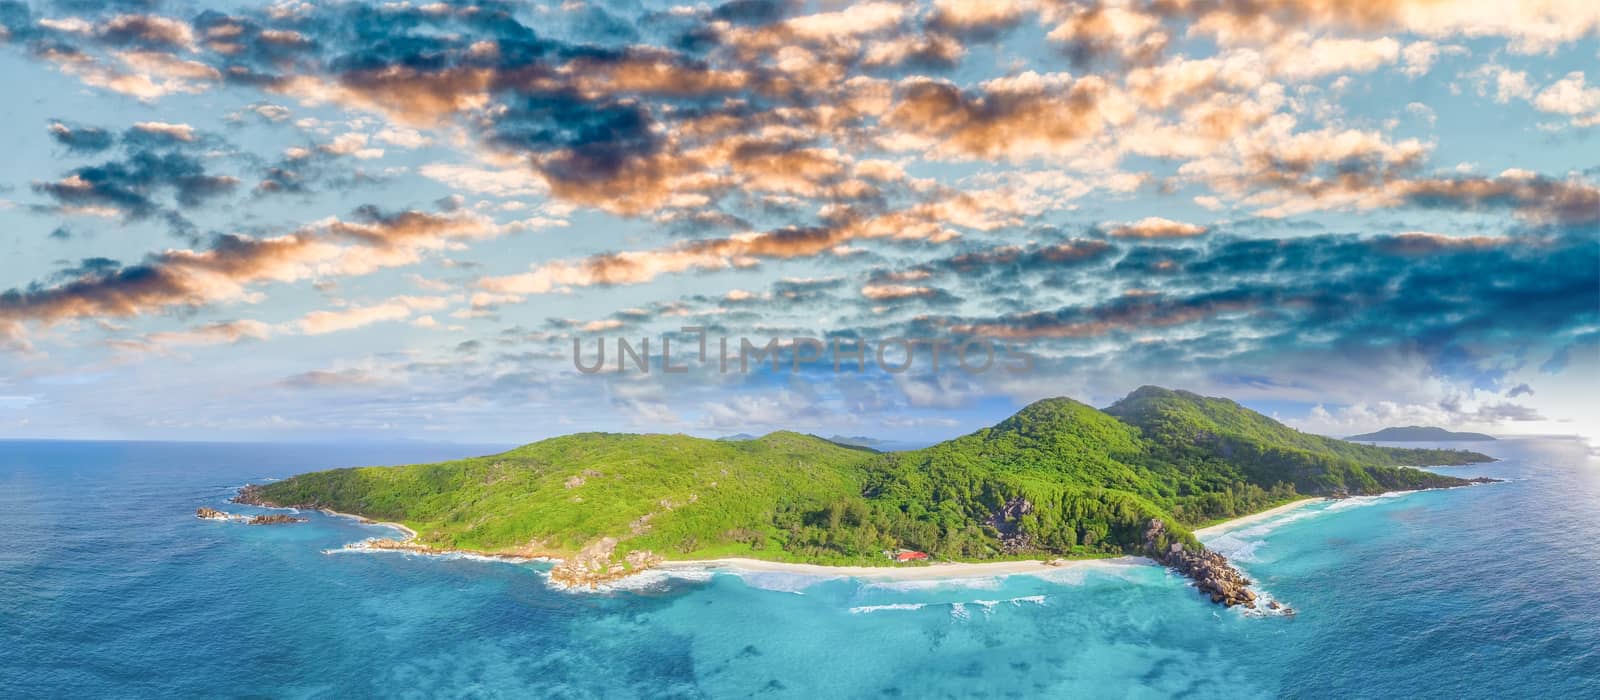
(1058, 480)
(845, 440)
(1418, 433)
(857, 441)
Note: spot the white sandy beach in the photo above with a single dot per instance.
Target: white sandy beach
(906, 573)
(952, 570)
(410, 533)
(1225, 526)
(930, 572)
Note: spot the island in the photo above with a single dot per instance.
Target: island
(1418, 433)
(1059, 480)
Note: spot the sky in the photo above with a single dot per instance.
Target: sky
(398, 221)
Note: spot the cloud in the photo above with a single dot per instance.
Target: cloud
(146, 75)
(394, 309)
(1298, 56)
(128, 187)
(976, 18)
(1094, 31)
(780, 409)
(944, 178)
(1570, 96)
(486, 181)
(1125, 314)
(921, 222)
(81, 139)
(1028, 116)
(896, 292)
(1531, 27)
(227, 270)
(323, 379)
(1155, 227)
(1419, 56)
(1534, 197)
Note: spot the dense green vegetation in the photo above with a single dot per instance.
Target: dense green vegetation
(1059, 478)
(672, 494)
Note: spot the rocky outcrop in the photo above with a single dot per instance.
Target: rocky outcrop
(276, 519)
(397, 546)
(1212, 573)
(1007, 525)
(593, 565)
(250, 495)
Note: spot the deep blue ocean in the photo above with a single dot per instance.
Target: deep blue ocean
(110, 587)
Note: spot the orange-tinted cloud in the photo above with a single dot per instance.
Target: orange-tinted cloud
(231, 267)
(1155, 227)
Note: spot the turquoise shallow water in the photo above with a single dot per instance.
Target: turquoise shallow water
(109, 587)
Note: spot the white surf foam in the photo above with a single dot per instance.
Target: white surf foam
(959, 611)
(781, 582)
(863, 609)
(979, 583)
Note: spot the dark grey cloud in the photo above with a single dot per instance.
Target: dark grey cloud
(131, 186)
(162, 172)
(81, 139)
(1464, 305)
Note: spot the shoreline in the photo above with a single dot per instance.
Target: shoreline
(744, 565)
(1243, 520)
(931, 572)
(364, 520)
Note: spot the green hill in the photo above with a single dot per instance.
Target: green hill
(673, 494)
(1212, 443)
(1059, 478)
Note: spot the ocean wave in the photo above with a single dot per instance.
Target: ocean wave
(781, 582)
(1246, 538)
(1236, 549)
(365, 547)
(1018, 601)
(974, 582)
(1363, 501)
(1129, 569)
(863, 609)
(650, 580)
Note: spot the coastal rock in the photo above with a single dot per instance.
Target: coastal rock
(398, 546)
(250, 495)
(593, 565)
(1007, 525)
(276, 519)
(641, 559)
(1212, 573)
